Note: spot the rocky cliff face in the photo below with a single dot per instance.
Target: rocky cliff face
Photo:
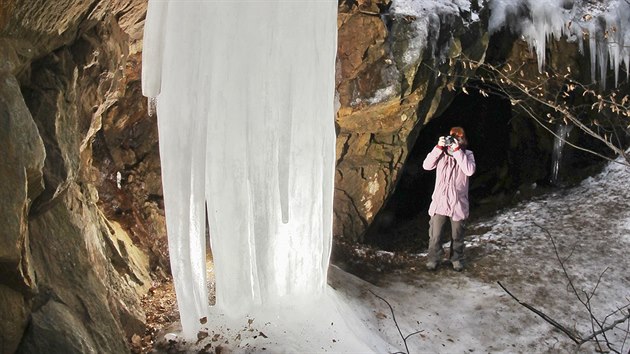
(71, 276)
(81, 200)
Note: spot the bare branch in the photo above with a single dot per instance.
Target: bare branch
(556, 93)
(598, 328)
(391, 309)
(564, 269)
(607, 328)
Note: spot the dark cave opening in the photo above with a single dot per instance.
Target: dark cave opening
(402, 223)
(513, 156)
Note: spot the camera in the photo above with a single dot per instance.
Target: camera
(449, 140)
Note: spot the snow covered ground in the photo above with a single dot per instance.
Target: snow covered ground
(468, 312)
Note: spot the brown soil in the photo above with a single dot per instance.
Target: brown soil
(160, 307)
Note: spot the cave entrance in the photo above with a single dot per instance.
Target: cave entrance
(402, 223)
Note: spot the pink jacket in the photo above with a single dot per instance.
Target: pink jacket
(450, 196)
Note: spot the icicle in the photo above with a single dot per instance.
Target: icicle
(615, 63)
(284, 153)
(562, 132)
(603, 26)
(181, 127)
(602, 61)
(593, 53)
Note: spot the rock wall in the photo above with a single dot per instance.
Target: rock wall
(71, 277)
(21, 166)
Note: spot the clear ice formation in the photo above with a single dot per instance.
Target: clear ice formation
(245, 105)
(601, 24)
(560, 138)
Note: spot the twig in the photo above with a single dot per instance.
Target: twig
(564, 269)
(391, 309)
(625, 338)
(607, 328)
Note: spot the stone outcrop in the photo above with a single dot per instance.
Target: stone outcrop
(21, 166)
(385, 100)
(71, 278)
(89, 277)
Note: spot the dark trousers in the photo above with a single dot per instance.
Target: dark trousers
(436, 225)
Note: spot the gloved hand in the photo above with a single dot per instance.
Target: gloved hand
(442, 141)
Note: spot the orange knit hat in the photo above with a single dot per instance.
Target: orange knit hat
(459, 133)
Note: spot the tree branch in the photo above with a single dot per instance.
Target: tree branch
(553, 90)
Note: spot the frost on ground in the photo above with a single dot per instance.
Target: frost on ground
(468, 311)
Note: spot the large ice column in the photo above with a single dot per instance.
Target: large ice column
(246, 121)
(271, 154)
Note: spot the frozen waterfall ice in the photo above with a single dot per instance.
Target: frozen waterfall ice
(601, 24)
(245, 105)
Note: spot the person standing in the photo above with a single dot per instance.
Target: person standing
(454, 164)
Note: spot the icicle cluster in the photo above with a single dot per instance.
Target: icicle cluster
(602, 25)
(246, 121)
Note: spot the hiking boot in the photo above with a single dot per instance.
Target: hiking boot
(431, 265)
(458, 266)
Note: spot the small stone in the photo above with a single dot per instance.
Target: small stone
(201, 335)
(136, 340)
